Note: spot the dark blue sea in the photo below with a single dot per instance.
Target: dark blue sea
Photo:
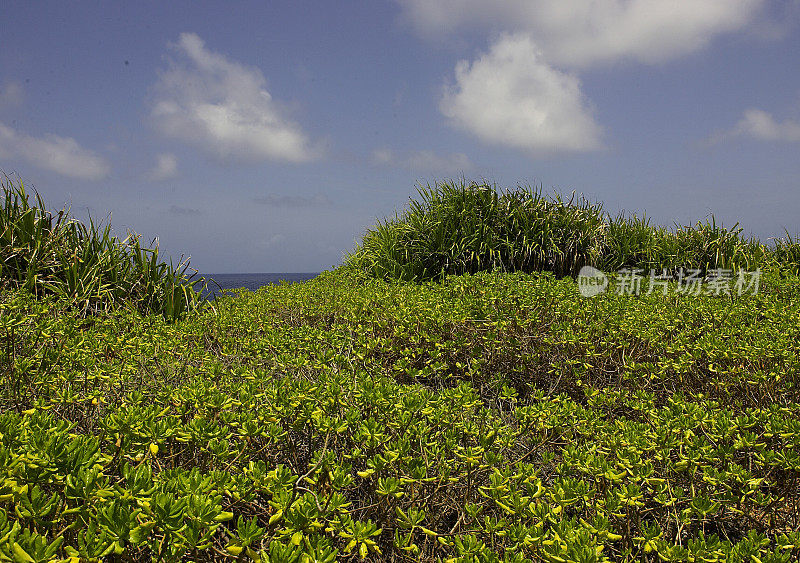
(218, 283)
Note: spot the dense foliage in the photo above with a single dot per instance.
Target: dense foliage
(488, 416)
(466, 227)
(491, 417)
(48, 254)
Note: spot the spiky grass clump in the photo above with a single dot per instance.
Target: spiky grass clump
(632, 242)
(55, 254)
(787, 253)
(460, 227)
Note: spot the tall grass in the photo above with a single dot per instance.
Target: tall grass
(787, 253)
(56, 254)
(460, 227)
(632, 242)
(466, 227)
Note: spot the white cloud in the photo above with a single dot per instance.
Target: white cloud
(578, 33)
(424, 161)
(223, 107)
(759, 124)
(11, 94)
(62, 155)
(166, 167)
(511, 96)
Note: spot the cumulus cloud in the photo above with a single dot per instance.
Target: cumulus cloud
(424, 161)
(294, 201)
(11, 94)
(223, 107)
(759, 124)
(578, 33)
(166, 167)
(62, 155)
(511, 96)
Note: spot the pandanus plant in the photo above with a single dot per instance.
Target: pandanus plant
(47, 253)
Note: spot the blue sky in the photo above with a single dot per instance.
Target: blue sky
(265, 137)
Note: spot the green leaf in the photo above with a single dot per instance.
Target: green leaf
(223, 517)
(20, 556)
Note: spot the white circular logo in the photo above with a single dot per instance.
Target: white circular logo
(591, 281)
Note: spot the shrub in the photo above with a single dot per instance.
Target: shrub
(787, 253)
(460, 227)
(467, 227)
(49, 254)
(492, 417)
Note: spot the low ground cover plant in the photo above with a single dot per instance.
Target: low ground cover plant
(489, 416)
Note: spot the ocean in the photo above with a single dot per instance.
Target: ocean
(253, 281)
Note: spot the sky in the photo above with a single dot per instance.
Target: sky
(267, 136)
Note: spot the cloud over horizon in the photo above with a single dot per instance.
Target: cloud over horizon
(578, 34)
(62, 155)
(424, 161)
(223, 107)
(510, 96)
(183, 211)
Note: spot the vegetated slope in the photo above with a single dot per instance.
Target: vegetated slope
(468, 227)
(490, 417)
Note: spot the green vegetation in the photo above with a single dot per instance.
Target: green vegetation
(468, 228)
(54, 254)
(492, 416)
(463, 227)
